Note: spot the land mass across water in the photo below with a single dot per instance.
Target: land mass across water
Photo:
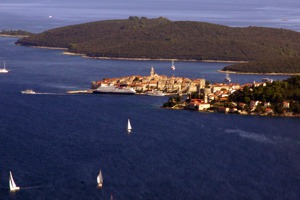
(262, 50)
(14, 33)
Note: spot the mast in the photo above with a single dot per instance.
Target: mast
(129, 128)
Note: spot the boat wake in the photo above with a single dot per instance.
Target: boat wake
(31, 187)
(250, 135)
(48, 93)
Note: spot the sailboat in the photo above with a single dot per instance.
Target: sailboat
(227, 78)
(12, 185)
(100, 179)
(4, 70)
(173, 66)
(129, 128)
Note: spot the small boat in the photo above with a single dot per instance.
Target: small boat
(129, 128)
(28, 92)
(4, 70)
(172, 66)
(12, 185)
(100, 179)
(227, 78)
(265, 80)
(155, 93)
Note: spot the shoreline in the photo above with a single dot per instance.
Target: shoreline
(165, 59)
(241, 114)
(54, 48)
(253, 73)
(157, 59)
(123, 58)
(13, 36)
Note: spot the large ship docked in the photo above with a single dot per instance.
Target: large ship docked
(111, 89)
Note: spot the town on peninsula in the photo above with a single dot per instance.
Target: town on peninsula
(254, 50)
(267, 98)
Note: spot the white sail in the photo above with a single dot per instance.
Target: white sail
(100, 179)
(129, 128)
(4, 70)
(12, 184)
(173, 66)
(227, 78)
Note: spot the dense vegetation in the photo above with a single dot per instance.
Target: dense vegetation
(15, 33)
(161, 38)
(276, 93)
(275, 65)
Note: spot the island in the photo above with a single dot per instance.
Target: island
(252, 49)
(15, 33)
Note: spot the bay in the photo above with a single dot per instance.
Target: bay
(56, 143)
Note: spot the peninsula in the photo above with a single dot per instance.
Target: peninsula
(272, 98)
(153, 82)
(262, 50)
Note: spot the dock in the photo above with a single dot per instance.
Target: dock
(80, 91)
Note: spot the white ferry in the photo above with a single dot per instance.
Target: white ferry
(111, 89)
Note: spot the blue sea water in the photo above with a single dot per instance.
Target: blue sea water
(33, 15)
(55, 143)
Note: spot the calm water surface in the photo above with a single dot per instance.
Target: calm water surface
(33, 15)
(55, 143)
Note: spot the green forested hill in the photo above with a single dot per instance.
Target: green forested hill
(161, 38)
(273, 65)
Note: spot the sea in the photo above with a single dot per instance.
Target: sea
(55, 143)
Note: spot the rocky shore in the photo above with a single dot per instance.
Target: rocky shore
(270, 74)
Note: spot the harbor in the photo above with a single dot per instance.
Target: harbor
(71, 137)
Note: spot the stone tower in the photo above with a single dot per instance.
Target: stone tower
(152, 72)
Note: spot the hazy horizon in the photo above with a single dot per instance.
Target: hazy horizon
(37, 15)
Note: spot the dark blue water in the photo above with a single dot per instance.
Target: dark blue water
(55, 143)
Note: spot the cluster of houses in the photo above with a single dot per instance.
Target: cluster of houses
(214, 97)
(142, 84)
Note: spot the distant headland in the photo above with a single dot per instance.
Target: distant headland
(257, 49)
(15, 33)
